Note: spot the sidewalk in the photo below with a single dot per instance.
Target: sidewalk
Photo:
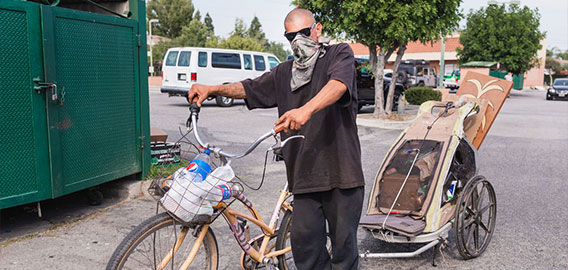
(365, 118)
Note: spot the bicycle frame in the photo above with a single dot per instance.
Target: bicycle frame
(269, 231)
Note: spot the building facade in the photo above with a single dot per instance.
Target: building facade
(432, 52)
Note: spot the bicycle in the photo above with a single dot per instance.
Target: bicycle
(157, 242)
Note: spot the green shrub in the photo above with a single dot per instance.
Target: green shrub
(419, 95)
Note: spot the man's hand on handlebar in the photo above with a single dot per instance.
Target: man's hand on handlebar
(199, 93)
(293, 119)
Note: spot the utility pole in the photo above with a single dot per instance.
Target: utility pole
(442, 63)
(151, 43)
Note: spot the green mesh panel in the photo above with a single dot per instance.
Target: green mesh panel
(97, 123)
(17, 148)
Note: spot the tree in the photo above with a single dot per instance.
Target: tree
(562, 55)
(209, 22)
(255, 30)
(278, 50)
(241, 43)
(240, 29)
(385, 26)
(195, 34)
(172, 15)
(250, 38)
(508, 35)
(552, 66)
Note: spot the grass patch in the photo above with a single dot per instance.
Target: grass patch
(159, 171)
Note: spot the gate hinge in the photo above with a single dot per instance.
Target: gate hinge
(139, 38)
(141, 142)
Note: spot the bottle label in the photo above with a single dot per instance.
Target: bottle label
(226, 191)
(199, 166)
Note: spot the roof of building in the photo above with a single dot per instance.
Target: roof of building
(416, 47)
(486, 64)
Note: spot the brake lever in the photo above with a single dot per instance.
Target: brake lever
(277, 148)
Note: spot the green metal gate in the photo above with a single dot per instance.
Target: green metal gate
(72, 111)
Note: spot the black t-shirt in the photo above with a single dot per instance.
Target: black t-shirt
(330, 155)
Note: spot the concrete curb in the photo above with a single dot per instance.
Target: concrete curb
(137, 189)
(384, 124)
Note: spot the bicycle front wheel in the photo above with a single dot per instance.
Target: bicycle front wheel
(150, 245)
(285, 261)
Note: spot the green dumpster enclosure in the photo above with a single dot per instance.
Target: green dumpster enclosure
(495, 71)
(74, 109)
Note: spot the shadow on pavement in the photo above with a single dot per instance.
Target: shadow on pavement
(24, 219)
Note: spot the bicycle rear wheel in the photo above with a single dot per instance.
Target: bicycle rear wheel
(149, 243)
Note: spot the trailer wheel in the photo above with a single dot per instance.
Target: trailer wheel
(475, 217)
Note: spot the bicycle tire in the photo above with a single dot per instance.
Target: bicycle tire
(285, 261)
(129, 252)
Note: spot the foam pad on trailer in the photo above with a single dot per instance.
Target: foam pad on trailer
(404, 225)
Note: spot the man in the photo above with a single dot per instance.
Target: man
(316, 96)
(509, 76)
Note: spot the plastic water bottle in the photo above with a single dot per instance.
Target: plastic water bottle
(199, 167)
(217, 182)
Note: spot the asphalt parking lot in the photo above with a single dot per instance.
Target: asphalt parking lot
(524, 157)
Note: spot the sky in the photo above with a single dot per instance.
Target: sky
(271, 13)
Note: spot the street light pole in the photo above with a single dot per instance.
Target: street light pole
(442, 63)
(151, 43)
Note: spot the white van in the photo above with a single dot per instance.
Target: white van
(184, 66)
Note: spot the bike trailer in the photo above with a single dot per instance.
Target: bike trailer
(428, 181)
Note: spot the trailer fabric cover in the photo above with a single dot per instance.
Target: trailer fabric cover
(413, 194)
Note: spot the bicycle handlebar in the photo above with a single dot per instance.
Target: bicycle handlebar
(194, 109)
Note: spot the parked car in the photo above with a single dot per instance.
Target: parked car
(366, 85)
(184, 66)
(452, 81)
(419, 73)
(559, 89)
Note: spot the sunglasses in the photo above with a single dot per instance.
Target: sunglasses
(306, 32)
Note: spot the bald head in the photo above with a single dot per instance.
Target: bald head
(300, 18)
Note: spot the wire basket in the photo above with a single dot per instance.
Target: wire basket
(185, 189)
(192, 198)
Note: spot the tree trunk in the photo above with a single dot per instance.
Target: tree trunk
(390, 96)
(378, 73)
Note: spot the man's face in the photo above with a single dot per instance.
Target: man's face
(301, 23)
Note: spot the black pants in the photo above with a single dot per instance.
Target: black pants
(341, 208)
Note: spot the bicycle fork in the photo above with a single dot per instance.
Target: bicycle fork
(192, 253)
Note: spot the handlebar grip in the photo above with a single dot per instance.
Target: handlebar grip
(278, 128)
(193, 108)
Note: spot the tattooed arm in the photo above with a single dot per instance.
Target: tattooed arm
(233, 90)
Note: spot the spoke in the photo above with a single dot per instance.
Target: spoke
(470, 211)
(476, 238)
(481, 196)
(482, 225)
(469, 235)
(482, 210)
(469, 222)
